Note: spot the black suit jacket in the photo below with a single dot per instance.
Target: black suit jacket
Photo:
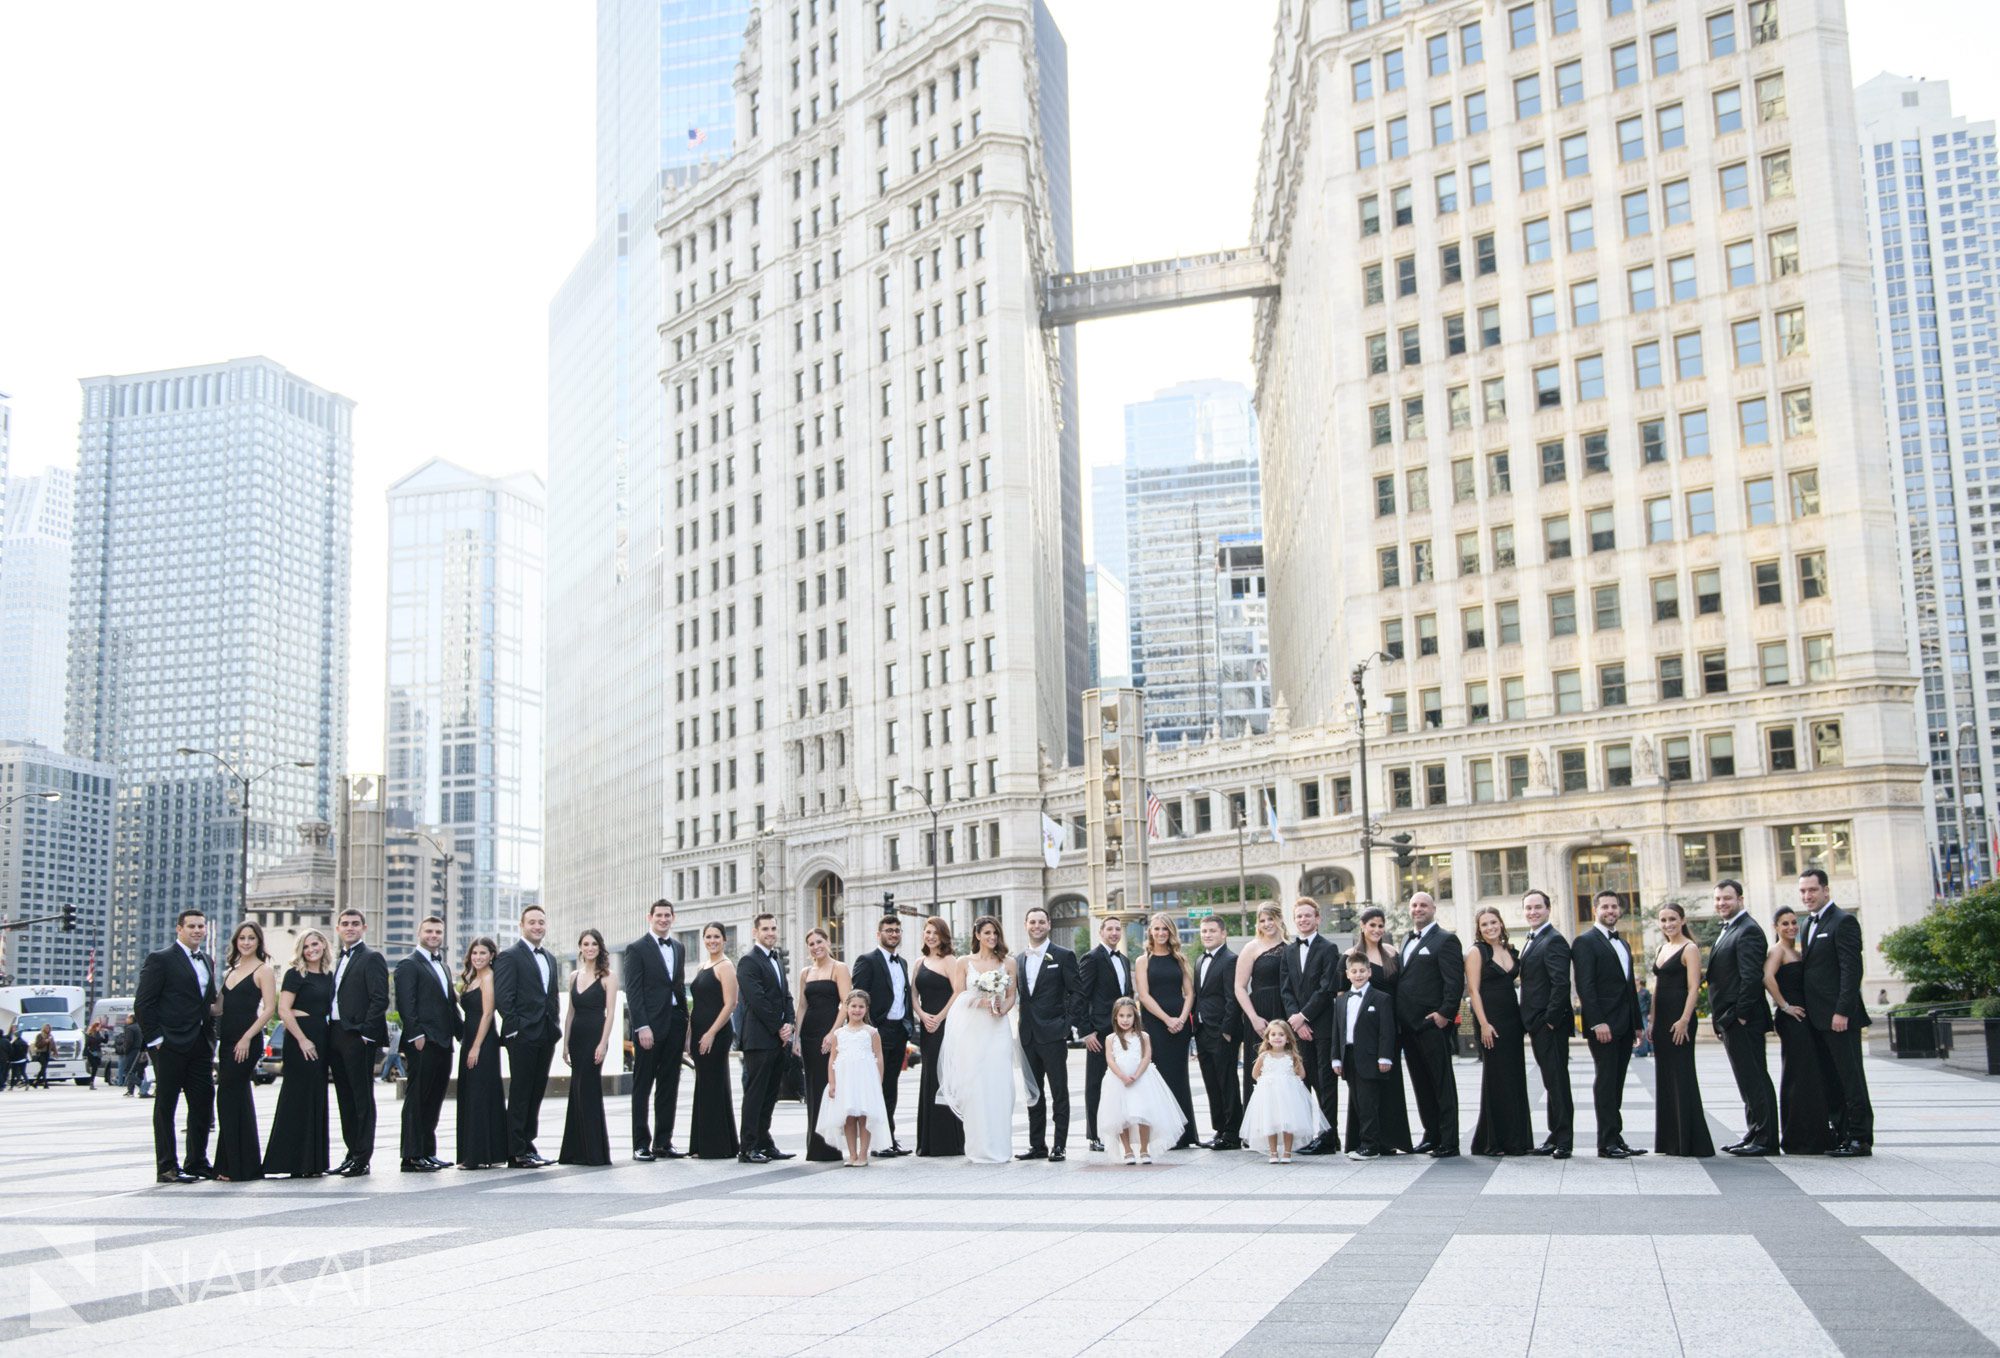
(172, 1003)
(1311, 990)
(1432, 980)
(764, 999)
(1049, 1013)
(651, 999)
(362, 994)
(1833, 969)
(1545, 994)
(517, 982)
(870, 973)
(1099, 988)
(425, 1008)
(1736, 977)
(1218, 1019)
(1373, 1039)
(1609, 996)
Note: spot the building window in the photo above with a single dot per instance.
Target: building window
(1503, 872)
(1573, 770)
(1720, 747)
(1672, 677)
(1677, 759)
(1617, 766)
(1812, 576)
(1714, 672)
(1828, 845)
(1781, 749)
(1711, 857)
(1827, 750)
(1611, 686)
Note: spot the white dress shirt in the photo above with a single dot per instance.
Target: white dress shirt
(1117, 968)
(1354, 1002)
(339, 969)
(542, 962)
(1618, 946)
(1411, 944)
(895, 984)
(1201, 972)
(666, 953)
(437, 969)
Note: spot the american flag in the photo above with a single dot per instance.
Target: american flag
(1153, 809)
(696, 136)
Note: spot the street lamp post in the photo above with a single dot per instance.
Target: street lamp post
(447, 858)
(935, 845)
(31, 797)
(244, 783)
(1967, 734)
(1360, 676)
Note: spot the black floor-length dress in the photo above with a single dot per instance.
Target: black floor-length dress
(299, 1140)
(1504, 1127)
(237, 1156)
(822, 1014)
(1392, 1117)
(1267, 973)
(585, 1139)
(713, 1135)
(1170, 1050)
(482, 1101)
(1804, 1123)
(1679, 1126)
(939, 1132)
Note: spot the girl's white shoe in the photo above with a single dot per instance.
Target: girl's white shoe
(1145, 1158)
(1131, 1158)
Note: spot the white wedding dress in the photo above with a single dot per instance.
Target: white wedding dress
(978, 1076)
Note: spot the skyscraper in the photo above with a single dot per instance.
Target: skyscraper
(1933, 204)
(1191, 479)
(1593, 455)
(666, 106)
(464, 692)
(209, 611)
(34, 606)
(54, 853)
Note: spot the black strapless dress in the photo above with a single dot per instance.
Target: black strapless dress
(237, 1156)
(939, 1132)
(298, 1144)
(713, 1135)
(482, 1100)
(1392, 1119)
(1679, 1125)
(822, 1014)
(1266, 973)
(1804, 1124)
(1504, 1127)
(585, 1140)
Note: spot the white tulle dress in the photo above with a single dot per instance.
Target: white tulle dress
(1281, 1103)
(856, 1088)
(1146, 1102)
(979, 1075)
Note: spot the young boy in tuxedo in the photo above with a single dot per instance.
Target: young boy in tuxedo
(1364, 1052)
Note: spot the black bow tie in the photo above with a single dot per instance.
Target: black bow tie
(437, 958)
(538, 952)
(346, 953)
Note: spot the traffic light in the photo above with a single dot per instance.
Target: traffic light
(1401, 850)
(69, 919)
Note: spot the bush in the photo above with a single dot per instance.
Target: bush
(1954, 949)
(1986, 1008)
(1930, 992)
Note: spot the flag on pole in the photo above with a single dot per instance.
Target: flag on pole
(696, 136)
(1271, 818)
(1052, 840)
(1153, 809)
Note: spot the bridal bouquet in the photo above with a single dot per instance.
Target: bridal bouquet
(992, 985)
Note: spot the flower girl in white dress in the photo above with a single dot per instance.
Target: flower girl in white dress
(1281, 1107)
(853, 1098)
(1135, 1098)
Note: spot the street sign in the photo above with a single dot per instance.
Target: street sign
(1200, 911)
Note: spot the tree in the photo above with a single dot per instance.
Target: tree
(1956, 946)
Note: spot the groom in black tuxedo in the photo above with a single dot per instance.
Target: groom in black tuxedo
(884, 974)
(1218, 1033)
(1104, 977)
(176, 988)
(1309, 980)
(1051, 993)
(357, 1031)
(1427, 998)
(1741, 1017)
(1835, 1015)
(527, 984)
(1546, 1014)
(655, 975)
(768, 1020)
(428, 1009)
(1609, 993)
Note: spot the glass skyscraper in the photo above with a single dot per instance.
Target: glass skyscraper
(34, 606)
(209, 610)
(464, 699)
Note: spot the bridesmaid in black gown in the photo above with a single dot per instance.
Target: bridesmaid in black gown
(1804, 1125)
(298, 1144)
(713, 1134)
(1679, 1126)
(1491, 972)
(939, 1132)
(1259, 972)
(247, 999)
(482, 1101)
(1385, 969)
(586, 1037)
(823, 986)
(1165, 989)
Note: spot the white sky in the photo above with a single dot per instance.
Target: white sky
(383, 196)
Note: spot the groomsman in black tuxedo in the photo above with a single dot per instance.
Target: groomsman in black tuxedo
(176, 988)
(357, 1030)
(1218, 1033)
(1610, 996)
(1310, 980)
(1051, 987)
(1427, 997)
(1364, 1052)
(655, 978)
(1831, 942)
(429, 1013)
(1742, 1018)
(1104, 977)
(1549, 1019)
(765, 1005)
(885, 975)
(527, 986)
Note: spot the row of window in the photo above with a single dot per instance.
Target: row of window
(1746, 335)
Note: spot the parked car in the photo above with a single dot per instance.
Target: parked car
(272, 1062)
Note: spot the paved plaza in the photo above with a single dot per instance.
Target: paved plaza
(1202, 1253)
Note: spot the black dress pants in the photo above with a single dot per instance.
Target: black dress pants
(182, 1073)
(1749, 1063)
(1048, 1071)
(1552, 1059)
(353, 1069)
(423, 1099)
(527, 1081)
(656, 1084)
(1427, 1054)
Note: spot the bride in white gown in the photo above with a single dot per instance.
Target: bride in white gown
(978, 1073)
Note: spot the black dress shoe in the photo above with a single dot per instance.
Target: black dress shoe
(1056, 1156)
(436, 1163)
(1096, 1145)
(1543, 1150)
(354, 1171)
(1747, 1150)
(881, 1155)
(1443, 1153)
(1421, 1148)
(1734, 1147)
(897, 1149)
(752, 1158)
(1559, 1153)
(174, 1177)
(1632, 1151)
(343, 1166)
(1614, 1153)
(668, 1153)
(643, 1155)
(199, 1171)
(1032, 1154)
(1852, 1150)
(419, 1167)
(775, 1154)
(515, 1162)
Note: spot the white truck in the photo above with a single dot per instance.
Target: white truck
(63, 1009)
